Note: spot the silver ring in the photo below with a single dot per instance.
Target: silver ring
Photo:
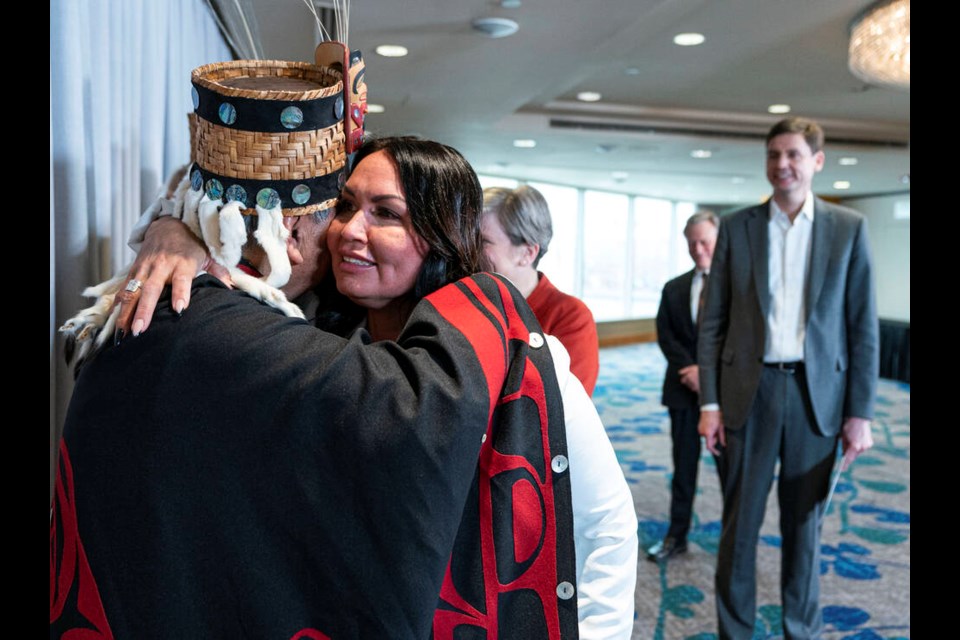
(133, 286)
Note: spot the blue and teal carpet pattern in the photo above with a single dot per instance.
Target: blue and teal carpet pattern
(865, 542)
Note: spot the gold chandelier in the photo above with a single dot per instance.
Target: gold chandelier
(880, 44)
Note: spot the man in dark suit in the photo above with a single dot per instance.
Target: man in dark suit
(789, 359)
(677, 335)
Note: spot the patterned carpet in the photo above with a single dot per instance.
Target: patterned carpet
(865, 544)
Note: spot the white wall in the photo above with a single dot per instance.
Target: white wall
(888, 219)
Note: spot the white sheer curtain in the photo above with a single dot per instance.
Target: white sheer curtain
(119, 95)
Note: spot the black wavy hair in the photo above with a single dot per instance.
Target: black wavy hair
(445, 202)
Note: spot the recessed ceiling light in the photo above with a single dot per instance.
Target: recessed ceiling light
(588, 96)
(391, 51)
(495, 27)
(905, 178)
(619, 175)
(847, 161)
(632, 71)
(510, 4)
(841, 184)
(524, 143)
(701, 153)
(738, 179)
(688, 39)
(375, 108)
(779, 108)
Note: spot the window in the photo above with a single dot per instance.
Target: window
(615, 252)
(563, 258)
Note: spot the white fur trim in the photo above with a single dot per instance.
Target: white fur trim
(233, 232)
(191, 202)
(272, 236)
(262, 291)
(209, 211)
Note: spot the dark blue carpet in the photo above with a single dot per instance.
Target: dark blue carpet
(865, 550)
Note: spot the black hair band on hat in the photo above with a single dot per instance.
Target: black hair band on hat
(267, 115)
(292, 194)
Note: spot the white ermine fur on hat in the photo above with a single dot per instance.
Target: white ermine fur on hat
(222, 229)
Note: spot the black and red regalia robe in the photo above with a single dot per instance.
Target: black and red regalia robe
(234, 473)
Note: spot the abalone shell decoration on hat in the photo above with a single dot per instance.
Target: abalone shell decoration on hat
(214, 189)
(268, 198)
(238, 193)
(291, 117)
(300, 194)
(227, 113)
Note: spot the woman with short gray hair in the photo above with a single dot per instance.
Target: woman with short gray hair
(517, 230)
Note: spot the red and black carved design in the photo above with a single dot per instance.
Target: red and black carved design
(75, 603)
(503, 575)
(309, 634)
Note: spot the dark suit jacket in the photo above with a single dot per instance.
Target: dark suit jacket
(841, 347)
(677, 337)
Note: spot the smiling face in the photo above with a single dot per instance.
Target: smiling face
(701, 240)
(376, 253)
(791, 165)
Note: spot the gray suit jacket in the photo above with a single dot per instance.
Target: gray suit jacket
(841, 348)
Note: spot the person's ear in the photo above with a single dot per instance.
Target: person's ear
(293, 240)
(530, 253)
(818, 161)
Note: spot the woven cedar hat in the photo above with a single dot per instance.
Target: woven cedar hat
(269, 132)
(268, 138)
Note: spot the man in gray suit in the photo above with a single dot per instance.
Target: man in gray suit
(789, 358)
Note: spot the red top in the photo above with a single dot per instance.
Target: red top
(569, 319)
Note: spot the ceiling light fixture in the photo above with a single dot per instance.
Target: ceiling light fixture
(524, 143)
(391, 51)
(841, 184)
(778, 108)
(879, 51)
(688, 39)
(631, 71)
(701, 153)
(589, 96)
(510, 4)
(495, 27)
(847, 161)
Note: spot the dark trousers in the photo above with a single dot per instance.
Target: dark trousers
(780, 426)
(686, 462)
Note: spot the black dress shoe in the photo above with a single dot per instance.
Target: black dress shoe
(666, 548)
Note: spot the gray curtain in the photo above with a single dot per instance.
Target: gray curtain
(119, 95)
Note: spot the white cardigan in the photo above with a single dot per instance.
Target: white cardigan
(604, 519)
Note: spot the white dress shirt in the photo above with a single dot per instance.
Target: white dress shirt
(695, 288)
(788, 266)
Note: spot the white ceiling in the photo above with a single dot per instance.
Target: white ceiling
(660, 101)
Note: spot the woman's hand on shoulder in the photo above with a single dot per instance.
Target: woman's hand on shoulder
(170, 254)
